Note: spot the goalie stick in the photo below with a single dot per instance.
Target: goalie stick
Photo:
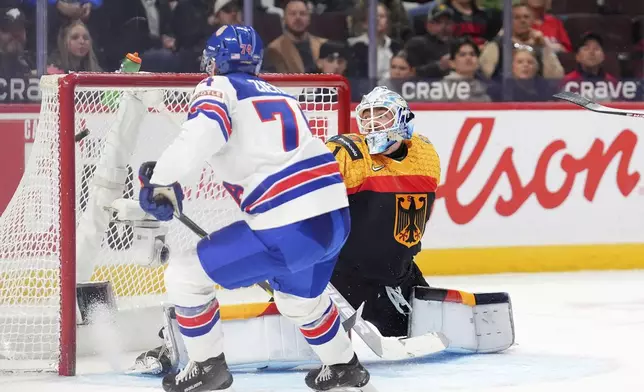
(594, 106)
(384, 347)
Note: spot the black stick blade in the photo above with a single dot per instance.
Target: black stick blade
(574, 98)
(594, 106)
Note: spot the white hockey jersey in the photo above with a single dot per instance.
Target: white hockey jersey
(259, 144)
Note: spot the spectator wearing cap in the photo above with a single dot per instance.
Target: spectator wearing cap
(296, 50)
(385, 49)
(590, 59)
(225, 12)
(334, 58)
(523, 37)
(549, 25)
(432, 48)
(464, 62)
(14, 60)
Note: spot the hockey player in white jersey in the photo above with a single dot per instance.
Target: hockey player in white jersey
(289, 187)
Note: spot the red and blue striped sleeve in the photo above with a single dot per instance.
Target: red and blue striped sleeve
(214, 110)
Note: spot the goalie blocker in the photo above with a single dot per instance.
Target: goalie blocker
(473, 323)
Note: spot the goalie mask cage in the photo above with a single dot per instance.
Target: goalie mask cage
(45, 249)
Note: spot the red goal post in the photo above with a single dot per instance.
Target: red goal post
(38, 231)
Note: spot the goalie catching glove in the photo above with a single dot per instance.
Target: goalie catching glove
(160, 201)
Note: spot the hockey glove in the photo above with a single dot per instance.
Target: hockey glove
(160, 201)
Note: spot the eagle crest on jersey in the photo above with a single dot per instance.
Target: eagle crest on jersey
(409, 225)
(383, 192)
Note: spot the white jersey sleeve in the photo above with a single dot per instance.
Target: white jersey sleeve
(205, 131)
(258, 142)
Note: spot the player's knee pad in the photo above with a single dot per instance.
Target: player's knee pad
(301, 310)
(186, 282)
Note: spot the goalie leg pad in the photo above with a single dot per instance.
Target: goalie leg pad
(480, 323)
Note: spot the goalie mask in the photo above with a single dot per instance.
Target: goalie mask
(384, 116)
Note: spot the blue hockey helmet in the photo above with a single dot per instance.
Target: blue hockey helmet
(233, 49)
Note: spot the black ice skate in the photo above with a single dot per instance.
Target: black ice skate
(350, 376)
(210, 375)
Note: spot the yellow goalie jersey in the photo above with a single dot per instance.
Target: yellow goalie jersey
(390, 199)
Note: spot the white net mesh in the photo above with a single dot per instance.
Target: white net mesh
(30, 230)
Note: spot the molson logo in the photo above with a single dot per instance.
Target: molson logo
(594, 162)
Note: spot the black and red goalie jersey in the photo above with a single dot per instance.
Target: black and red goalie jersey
(390, 199)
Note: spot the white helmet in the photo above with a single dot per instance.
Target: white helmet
(384, 127)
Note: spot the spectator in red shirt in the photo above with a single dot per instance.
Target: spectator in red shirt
(589, 78)
(552, 28)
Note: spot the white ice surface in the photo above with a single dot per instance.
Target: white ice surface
(575, 332)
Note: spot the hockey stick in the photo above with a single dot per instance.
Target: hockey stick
(594, 106)
(387, 347)
(189, 223)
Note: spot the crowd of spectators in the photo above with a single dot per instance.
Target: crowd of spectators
(440, 50)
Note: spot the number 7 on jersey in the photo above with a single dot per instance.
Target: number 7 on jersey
(268, 110)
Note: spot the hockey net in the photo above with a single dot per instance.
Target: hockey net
(51, 234)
